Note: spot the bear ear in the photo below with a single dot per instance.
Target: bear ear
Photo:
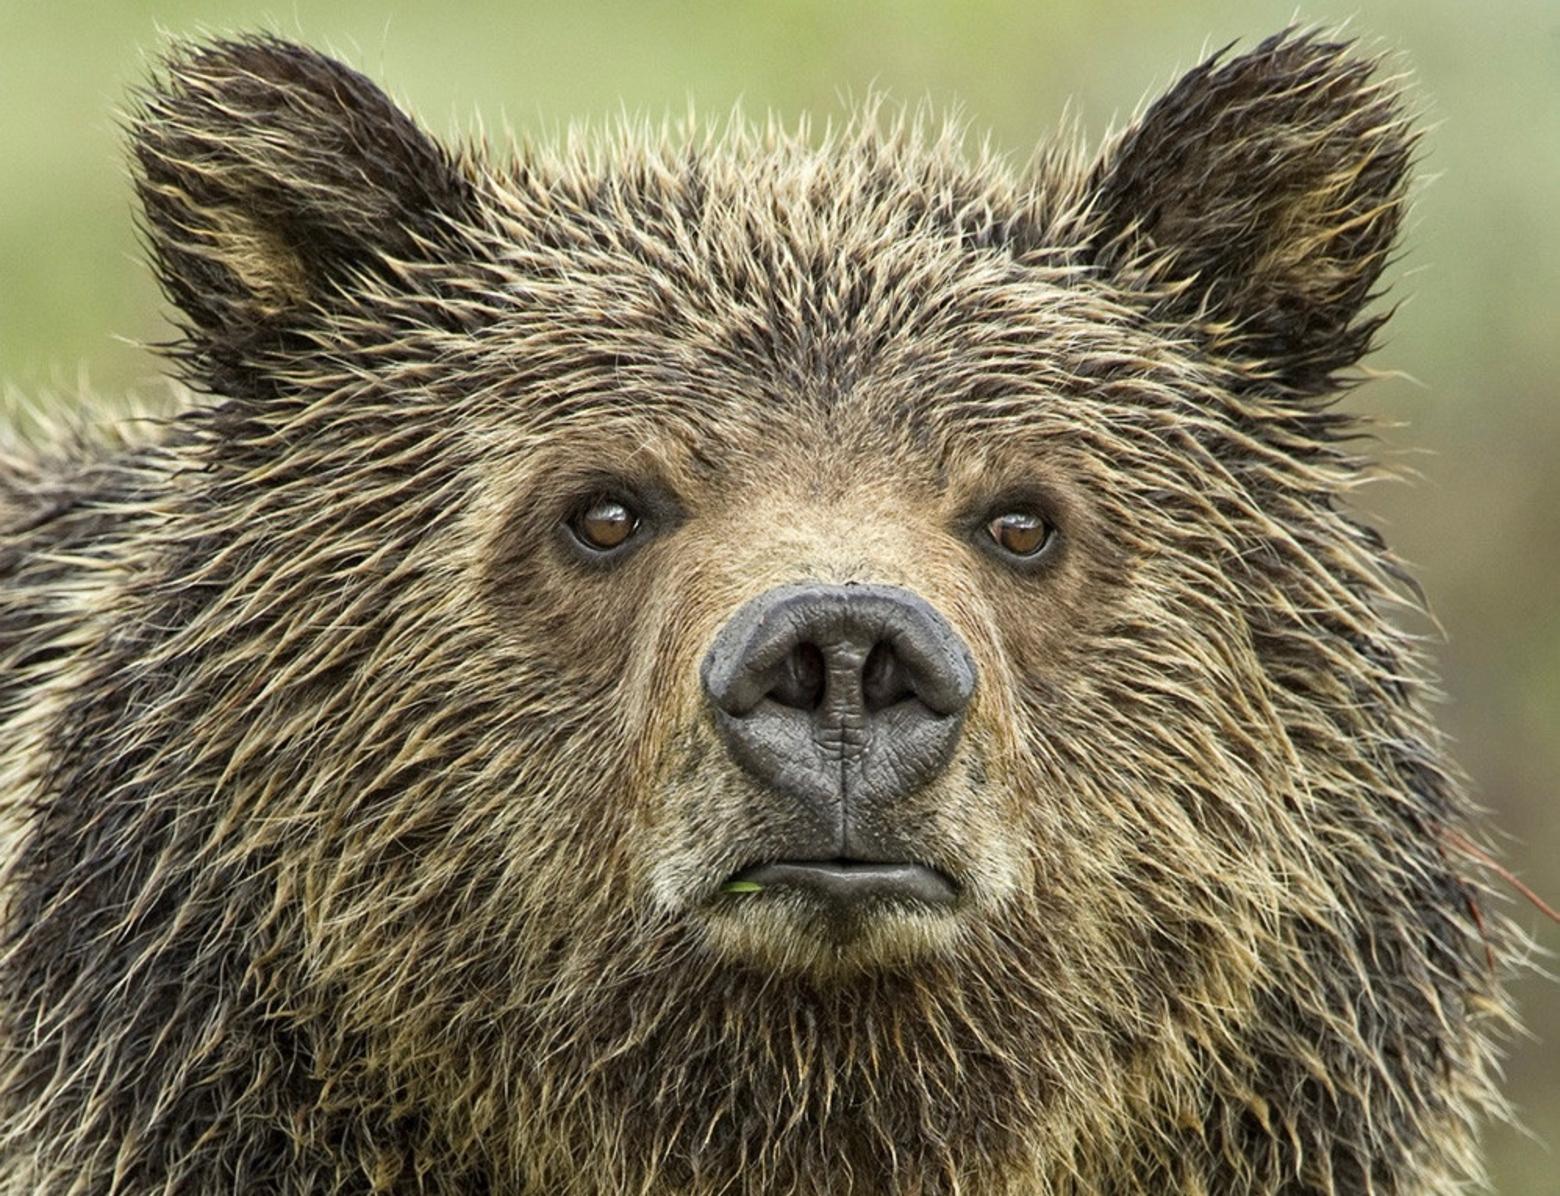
(1256, 203)
(274, 181)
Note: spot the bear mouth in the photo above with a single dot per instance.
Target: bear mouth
(846, 884)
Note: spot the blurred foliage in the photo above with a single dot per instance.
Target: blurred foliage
(1479, 275)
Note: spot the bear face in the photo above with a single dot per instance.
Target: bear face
(741, 664)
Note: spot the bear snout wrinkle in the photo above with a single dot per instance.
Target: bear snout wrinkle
(831, 695)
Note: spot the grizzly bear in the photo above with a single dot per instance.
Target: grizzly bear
(737, 663)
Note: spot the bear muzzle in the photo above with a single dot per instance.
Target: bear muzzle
(841, 701)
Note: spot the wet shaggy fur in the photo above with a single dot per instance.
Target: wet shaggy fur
(368, 836)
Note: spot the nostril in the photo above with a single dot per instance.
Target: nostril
(799, 684)
(827, 692)
(884, 679)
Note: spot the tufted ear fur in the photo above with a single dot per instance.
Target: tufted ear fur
(273, 180)
(1256, 203)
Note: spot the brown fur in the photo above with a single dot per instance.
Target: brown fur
(369, 842)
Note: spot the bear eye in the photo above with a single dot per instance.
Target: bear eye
(604, 524)
(1020, 533)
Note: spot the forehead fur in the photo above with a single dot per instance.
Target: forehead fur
(1245, 215)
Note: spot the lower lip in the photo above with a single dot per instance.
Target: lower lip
(852, 882)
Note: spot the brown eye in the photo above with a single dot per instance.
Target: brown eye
(1020, 533)
(604, 525)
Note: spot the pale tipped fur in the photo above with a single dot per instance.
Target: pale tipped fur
(361, 827)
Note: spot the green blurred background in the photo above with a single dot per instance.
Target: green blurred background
(1477, 336)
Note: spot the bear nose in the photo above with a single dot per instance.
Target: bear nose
(842, 697)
